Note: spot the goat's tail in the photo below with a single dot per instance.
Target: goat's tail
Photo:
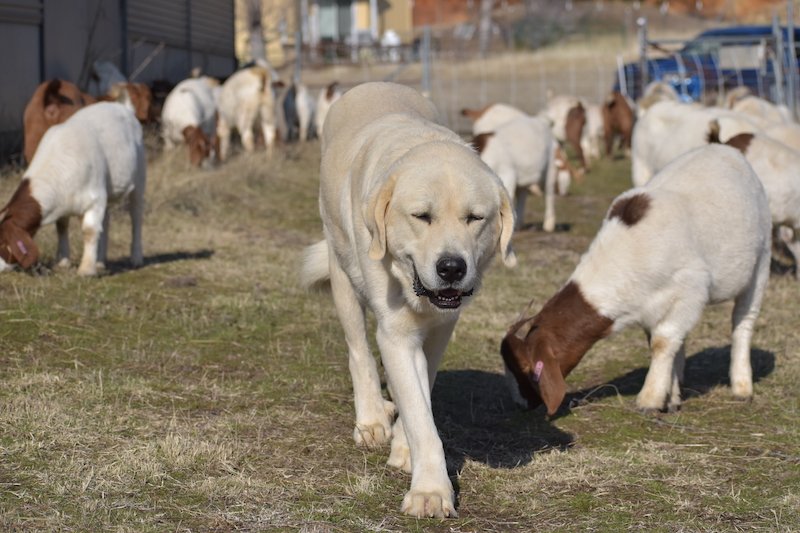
(712, 137)
(316, 268)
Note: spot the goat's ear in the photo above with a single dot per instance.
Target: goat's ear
(21, 246)
(552, 387)
(51, 112)
(375, 218)
(506, 227)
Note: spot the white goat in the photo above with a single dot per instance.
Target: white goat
(189, 116)
(593, 137)
(656, 91)
(96, 156)
(778, 168)
(761, 111)
(327, 97)
(522, 153)
(670, 129)
(657, 262)
(245, 99)
(491, 117)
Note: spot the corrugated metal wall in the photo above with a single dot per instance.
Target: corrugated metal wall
(20, 64)
(169, 39)
(159, 21)
(147, 39)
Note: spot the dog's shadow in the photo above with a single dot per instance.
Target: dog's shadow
(704, 371)
(478, 420)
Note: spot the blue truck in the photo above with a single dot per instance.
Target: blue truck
(716, 61)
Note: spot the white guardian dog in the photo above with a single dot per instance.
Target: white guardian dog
(412, 217)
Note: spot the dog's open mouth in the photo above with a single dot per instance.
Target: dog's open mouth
(449, 298)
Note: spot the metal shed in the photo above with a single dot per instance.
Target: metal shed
(147, 40)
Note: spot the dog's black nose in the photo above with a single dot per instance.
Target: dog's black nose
(451, 269)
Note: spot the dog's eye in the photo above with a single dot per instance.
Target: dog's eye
(473, 217)
(425, 217)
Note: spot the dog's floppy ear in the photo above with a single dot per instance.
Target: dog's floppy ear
(506, 228)
(375, 218)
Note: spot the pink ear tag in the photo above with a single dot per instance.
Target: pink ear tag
(22, 248)
(537, 370)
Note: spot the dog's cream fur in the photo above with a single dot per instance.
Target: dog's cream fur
(402, 199)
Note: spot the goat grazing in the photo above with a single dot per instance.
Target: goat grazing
(523, 154)
(95, 156)
(656, 262)
(189, 116)
(246, 97)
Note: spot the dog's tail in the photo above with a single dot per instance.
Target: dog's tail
(315, 270)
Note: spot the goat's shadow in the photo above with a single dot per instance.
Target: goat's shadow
(704, 371)
(124, 265)
(478, 420)
(538, 227)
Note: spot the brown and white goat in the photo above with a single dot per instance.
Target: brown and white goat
(52, 103)
(656, 262)
(96, 156)
(189, 117)
(618, 120)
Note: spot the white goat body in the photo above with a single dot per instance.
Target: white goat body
(246, 99)
(670, 129)
(522, 153)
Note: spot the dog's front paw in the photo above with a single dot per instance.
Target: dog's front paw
(372, 435)
(435, 504)
(378, 431)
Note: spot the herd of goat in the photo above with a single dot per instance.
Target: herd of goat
(715, 189)
(85, 151)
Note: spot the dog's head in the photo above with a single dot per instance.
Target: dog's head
(439, 218)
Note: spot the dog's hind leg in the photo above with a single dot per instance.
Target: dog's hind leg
(373, 414)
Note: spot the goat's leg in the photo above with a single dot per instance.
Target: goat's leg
(92, 226)
(62, 229)
(745, 312)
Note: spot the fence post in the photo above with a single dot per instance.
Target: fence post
(642, 23)
(426, 60)
(623, 83)
(792, 58)
(780, 96)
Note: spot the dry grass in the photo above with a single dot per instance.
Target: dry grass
(207, 392)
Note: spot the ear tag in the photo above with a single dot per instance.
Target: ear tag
(537, 370)
(22, 248)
